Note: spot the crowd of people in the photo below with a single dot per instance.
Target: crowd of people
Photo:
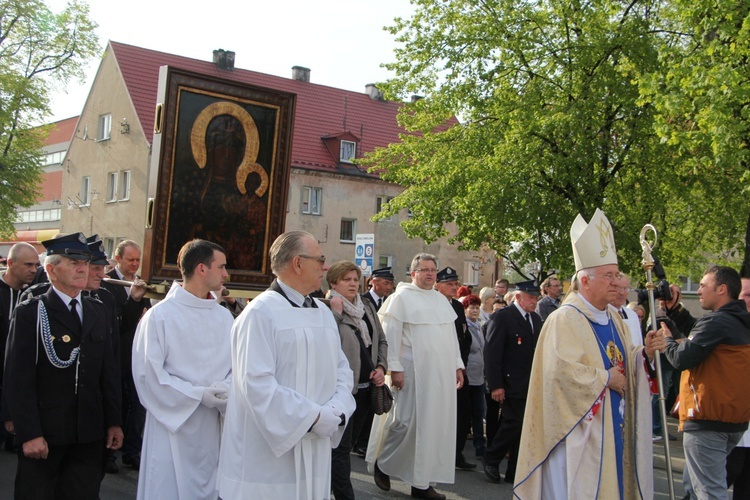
(212, 397)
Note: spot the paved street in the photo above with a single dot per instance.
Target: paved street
(469, 484)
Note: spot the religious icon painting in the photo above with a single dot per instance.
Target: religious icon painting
(220, 172)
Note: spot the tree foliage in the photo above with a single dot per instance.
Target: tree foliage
(39, 51)
(553, 123)
(703, 100)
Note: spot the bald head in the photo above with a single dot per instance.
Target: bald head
(22, 264)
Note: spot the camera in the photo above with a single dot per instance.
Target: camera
(661, 290)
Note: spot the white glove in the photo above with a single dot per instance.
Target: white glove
(328, 422)
(214, 397)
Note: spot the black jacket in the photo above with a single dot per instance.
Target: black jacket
(509, 351)
(9, 298)
(129, 313)
(462, 331)
(44, 400)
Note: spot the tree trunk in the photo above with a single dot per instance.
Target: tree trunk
(745, 269)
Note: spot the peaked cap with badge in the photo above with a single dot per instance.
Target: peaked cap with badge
(593, 242)
(447, 274)
(383, 273)
(531, 287)
(72, 246)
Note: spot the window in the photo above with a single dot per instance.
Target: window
(105, 127)
(379, 202)
(348, 230)
(53, 158)
(125, 185)
(385, 261)
(109, 246)
(112, 186)
(311, 197)
(52, 214)
(85, 194)
(348, 151)
(471, 272)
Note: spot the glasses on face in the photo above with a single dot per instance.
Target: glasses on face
(319, 258)
(425, 270)
(608, 276)
(625, 289)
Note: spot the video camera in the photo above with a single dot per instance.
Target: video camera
(661, 290)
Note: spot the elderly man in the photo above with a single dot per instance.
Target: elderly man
(291, 394)
(182, 369)
(714, 412)
(512, 334)
(382, 286)
(552, 290)
(416, 440)
(130, 308)
(447, 284)
(61, 381)
(22, 264)
(630, 316)
(588, 391)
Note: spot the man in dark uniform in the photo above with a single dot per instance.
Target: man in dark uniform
(95, 290)
(382, 286)
(130, 308)
(512, 334)
(447, 284)
(61, 382)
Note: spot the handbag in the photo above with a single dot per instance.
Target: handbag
(381, 398)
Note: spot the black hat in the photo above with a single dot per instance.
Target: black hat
(98, 255)
(447, 274)
(384, 273)
(72, 246)
(531, 287)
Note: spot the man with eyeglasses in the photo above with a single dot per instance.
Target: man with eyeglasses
(291, 394)
(630, 317)
(552, 290)
(416, 442)
(589, 388)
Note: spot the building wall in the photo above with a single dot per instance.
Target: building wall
(355, 198)
(344, 196)
(129, 151)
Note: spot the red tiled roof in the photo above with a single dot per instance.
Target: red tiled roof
(320, 110)
(61, 131)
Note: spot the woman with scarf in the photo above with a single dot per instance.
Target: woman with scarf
(364, 344)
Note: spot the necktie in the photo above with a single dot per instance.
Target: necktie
(380, 302)
(622, 313)
(531, 324)
(307, 302)
(74, 312)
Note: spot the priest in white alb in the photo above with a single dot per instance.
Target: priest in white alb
(416, 440)
(291, 394)
(182, 369)
(587, 426)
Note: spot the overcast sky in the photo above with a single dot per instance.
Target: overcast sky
(341, 41)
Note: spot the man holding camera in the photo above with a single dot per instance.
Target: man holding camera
(713, 413)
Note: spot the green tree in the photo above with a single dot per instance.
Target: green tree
(39, 51)
(551, 126)
(703, 104)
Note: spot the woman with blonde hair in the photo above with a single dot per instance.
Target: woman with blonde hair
(487, 296)
(364, 344)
